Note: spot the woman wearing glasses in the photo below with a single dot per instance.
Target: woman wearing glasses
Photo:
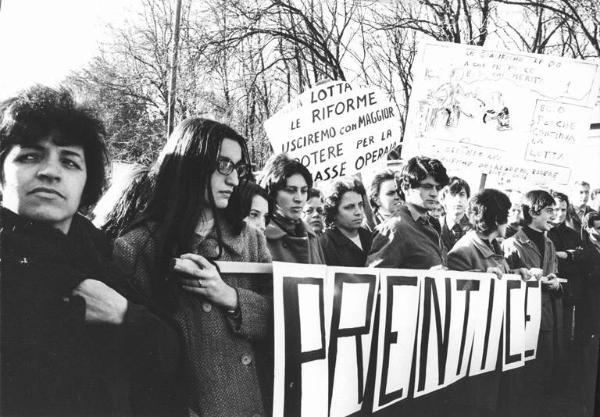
(290, 239)
(186, 224)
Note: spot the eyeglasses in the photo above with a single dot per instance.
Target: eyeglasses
(226, 166)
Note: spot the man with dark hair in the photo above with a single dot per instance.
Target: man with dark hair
(410, 239)
(455, 198)
(580, 195)
(313, 211)
(70, 343)
(530, 248)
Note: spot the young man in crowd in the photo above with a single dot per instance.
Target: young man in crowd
(70, 343)
(314, 211)
(531, 248)
(455, 200)
(580, 196)
(410, 239)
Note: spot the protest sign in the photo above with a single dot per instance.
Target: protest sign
(336, 129)
(518, 117)
(338, 351)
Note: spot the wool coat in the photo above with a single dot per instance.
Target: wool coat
(287, 248)
(54, 363)
(227, 358)
(471, 253)
(341, 251)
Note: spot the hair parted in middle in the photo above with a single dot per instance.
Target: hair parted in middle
(534, 202)
(420, 167)
(334, 197)
(276, 172)
(179, 180)
(487, 210)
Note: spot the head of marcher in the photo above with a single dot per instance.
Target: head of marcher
(538, 210)
(193, 180)
(422, 179)
(313, 211)
(253, 203)
(561, 208)
(344, 206)
(52, 156)
(592, 226)
(455, 198)
(488, 213)
(383, 195)
(580, 194)
(287, 182)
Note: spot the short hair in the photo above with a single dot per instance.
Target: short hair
(338, 189)
(276, 172)
(245, 192)
(488, 209)
(379, 179)
(315, 193)
(455, 186)
(419, 167)
(594, 193)
(534, 202)
(590, 218)
(39, 111)
(560, 196)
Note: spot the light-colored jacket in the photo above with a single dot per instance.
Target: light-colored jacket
(471, 253)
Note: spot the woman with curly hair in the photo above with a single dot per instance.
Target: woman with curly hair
(346, 242)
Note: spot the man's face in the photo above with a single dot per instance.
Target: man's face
(544, 221)
(313, 214)
(560, 212)
(581, 195)
(44, 182)
(425, 196)
(455, 204)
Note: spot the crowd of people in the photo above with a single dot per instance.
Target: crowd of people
(137, 319)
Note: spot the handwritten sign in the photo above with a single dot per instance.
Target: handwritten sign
(518, 117)
(336, 129)
(340, 351)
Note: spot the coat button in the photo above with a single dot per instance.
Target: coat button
(285, 245)
(207, 307)
(246, 359)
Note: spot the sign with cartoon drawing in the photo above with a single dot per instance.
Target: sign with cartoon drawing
(517, 117)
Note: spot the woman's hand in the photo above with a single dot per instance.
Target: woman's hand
(202, 278)
(495, 270)
(525, 274)
(552, 282)
(102, 303)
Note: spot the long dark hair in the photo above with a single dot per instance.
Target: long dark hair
(179, 180)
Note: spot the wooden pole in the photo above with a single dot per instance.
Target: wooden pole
(174, 62)
(482, 181)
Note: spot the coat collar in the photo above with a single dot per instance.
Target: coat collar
(484, 250)
(274, 232)
(341, 239)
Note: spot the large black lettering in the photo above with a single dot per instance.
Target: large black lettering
(529, 284)
(336, 332)
(430, 292)
(508, 358)
(294, 357)
(466, 285)
(391, 337)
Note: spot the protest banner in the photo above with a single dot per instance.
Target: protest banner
(336, 129)
(517, 117)
(339, 351)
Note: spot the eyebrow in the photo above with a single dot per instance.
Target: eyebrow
(38, 147)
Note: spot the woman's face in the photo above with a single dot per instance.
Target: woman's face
(350, 213)
(291, 199)
(389, 200)
(44, 181)
(222, 185)
(258, 213)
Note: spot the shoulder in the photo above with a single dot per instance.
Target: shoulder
(390, 226)
(138, 240)
(274, 232)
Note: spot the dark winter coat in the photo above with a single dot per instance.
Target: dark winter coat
(341, 251)
(53, 363)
